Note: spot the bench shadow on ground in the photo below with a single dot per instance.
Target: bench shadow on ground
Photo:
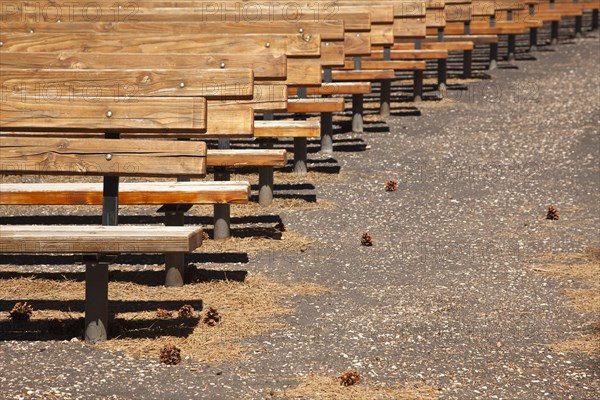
(69, 326)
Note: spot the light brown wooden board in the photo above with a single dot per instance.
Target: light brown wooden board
(316, 105)
(68, 239)
(264, 65)
(52, 156)
(246, 158)
(133, 114)
(85, 83)
(291, 45)
(130, 193)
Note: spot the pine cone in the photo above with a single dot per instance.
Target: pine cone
(170, 355)
(552, 213)
(391, 185)
(186, 311)
(366, 239)
(21, 312)
(212, 317)
(163, 314)
(349, 378)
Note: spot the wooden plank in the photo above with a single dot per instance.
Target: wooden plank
(410, 28)
(328, 30)
(291, 45)
(267, 98)
(316, 105)
(264, 65)
(101, 114)
(246, 157)
(367, 75)
(285, 128)
(335, 88)
(397, 65)
(382, 34)
(130, 193)
(52, 156)
(424, 54)
(84, 83)
(357, 44)
(68, 239)
(226, 119)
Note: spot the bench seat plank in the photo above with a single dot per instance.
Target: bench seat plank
(130, 193)
(69, 239)
(363, 75)
(286, 128)
(316, 105)
(246, 157)
(335, 88)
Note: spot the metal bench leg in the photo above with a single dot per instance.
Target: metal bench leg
(265, 178)
(300, 151)
(418, 85)
(96, 269)
(174, 262)
(357, 103)
(96, 301)
(512, 45)
(554, 32)
(533, 34)
(386, 88)
(386, 96)
(327, 132)
(442, 74)
(493, 56)
(578, 25)
(357, 113)
(222, 219)
(595, 19)
(467, 63)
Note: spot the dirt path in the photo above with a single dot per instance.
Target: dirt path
(446, 296)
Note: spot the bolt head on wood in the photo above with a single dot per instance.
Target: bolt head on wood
(109, 114)
(268, 45)
(222, 65)
(108, 157)
(301, 30)
(1, 44)
(182, 85)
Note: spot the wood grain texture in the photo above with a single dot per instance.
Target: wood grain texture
(357, 44)
(366, 75)
(410, 28)
(136, 114)
(316, 105)
(328, 30)
(394, 64)
(263, 65)
(68, 239)
(123, 83)
(382, 34)
(229, 119)
(53, 156)
(129, 193)
(246, 158)
(285, 128)
(335, 88)
(291, 45)
(424, 54)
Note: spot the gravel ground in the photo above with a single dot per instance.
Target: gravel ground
(444, 295)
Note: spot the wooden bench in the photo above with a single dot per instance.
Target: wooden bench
(108, 157)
